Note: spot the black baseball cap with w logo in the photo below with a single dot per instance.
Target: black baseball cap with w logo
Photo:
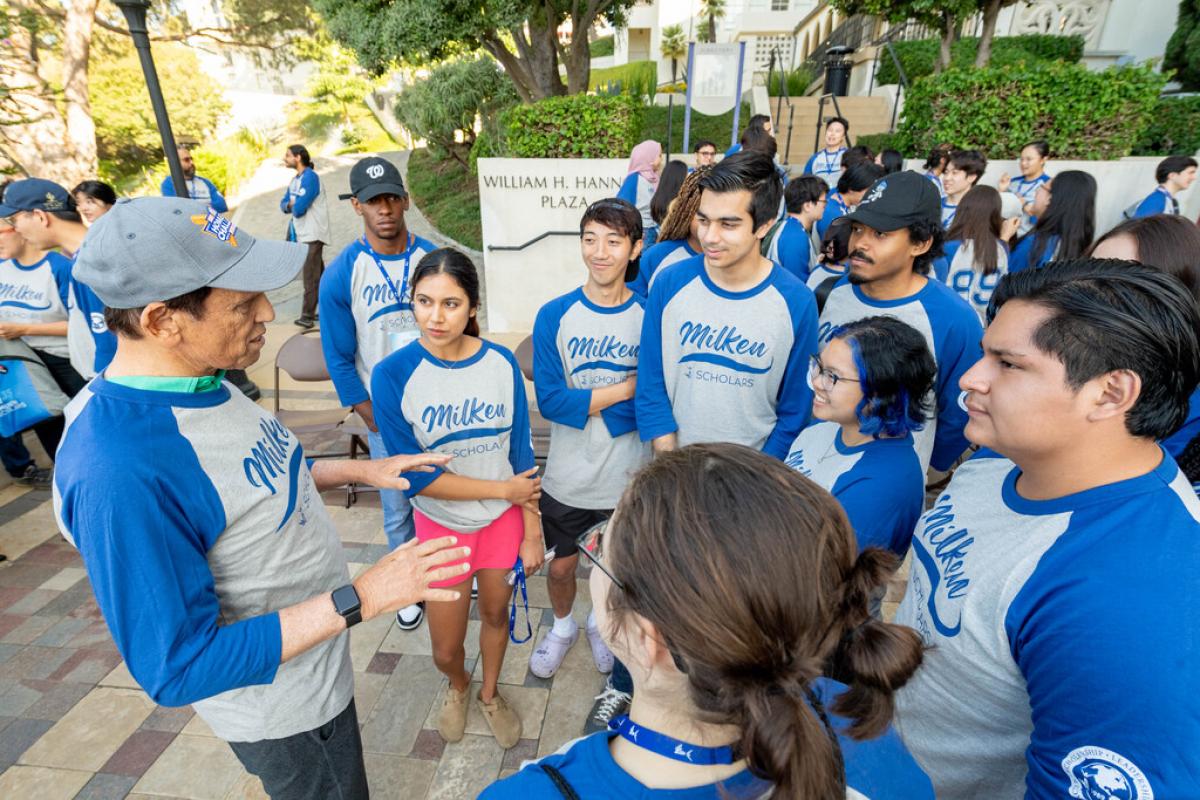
(372, 177)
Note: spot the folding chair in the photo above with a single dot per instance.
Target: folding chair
(302, 359)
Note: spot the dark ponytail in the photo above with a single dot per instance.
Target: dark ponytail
(750, 630)
(456, 264)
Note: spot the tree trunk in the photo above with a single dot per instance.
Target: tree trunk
(948, 35)
(543, 58)
(712, 28)
(513, 68)
(76, 45)
(578, 62)
(33, 132)
(990, 13)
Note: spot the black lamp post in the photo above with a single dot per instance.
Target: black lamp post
(135, 17)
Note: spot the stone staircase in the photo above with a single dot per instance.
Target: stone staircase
(866, 115)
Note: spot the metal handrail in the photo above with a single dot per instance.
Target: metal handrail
(534, 240)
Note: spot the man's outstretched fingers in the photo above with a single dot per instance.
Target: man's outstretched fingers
(447, 573)
(441, 595)
(433, 545)
(444, 557)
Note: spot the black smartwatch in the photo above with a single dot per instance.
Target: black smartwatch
(346, 603)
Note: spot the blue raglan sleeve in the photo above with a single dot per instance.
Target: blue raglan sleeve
(959, 347)
(310, 186)
(794, 401)
(794, 251)
(218, 200)
(167, 187)
(144, 523)
(92, 308)
(60, 268)
(651, 401)
(1107, 649)
(831, 213)
(883, 503)
(621, 418)
(651, 257)
(628, 190)
(556, 401)
(283, 201)
(339, 333)
(1018, 259)
(1155, 203)
(520, 443)
(388, 382)
(808, 165)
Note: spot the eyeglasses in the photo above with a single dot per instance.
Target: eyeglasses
(828, 378)
(591, 544)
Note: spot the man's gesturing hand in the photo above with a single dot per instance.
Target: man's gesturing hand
(403, 576)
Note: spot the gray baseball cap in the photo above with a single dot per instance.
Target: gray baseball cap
(149, 249)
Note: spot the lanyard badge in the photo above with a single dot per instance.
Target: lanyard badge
(669, 747)
(519, 571)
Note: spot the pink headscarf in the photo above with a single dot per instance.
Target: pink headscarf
(643, 158)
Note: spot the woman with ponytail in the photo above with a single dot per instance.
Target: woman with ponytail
(731, 646)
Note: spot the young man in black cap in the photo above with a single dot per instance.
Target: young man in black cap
(366, 314)
(896, 234)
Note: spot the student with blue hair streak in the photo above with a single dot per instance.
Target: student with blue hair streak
(871, 390)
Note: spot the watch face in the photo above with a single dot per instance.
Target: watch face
(345, 600)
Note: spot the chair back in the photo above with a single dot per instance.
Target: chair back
(524, 354)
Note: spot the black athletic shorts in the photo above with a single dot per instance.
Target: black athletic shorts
(563, 524)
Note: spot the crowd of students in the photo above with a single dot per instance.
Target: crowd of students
(746, 396)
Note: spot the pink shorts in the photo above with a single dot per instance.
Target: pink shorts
(492, 547)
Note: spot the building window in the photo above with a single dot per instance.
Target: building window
(763, 45)
(780, 5)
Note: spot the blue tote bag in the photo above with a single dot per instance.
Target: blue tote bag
(28, 392)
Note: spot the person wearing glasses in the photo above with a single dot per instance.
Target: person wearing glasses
(452, 392)
(727, 643)
(895, 235)
(871, 390)
(706, 153)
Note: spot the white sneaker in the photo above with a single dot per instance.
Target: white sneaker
(609, 704)
(474, 588)
(600, 652)
(409, 618)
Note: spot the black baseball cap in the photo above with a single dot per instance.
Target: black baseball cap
(896, 201)
(372, 177)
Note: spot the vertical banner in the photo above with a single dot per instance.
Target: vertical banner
(715, 80)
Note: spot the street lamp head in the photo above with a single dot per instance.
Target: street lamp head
(135, 14)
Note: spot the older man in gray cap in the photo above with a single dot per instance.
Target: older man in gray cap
(213, 559)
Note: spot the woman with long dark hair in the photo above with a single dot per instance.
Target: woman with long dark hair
(669, 184)
(1065, 207)
(677, 235)
(452, 392)
(974, 258)
(731, 586)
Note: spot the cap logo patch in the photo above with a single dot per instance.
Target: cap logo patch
(375, 171)
(52, 203)
(875, 194)
(213, 224)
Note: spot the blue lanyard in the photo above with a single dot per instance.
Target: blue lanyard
(519, 569)
(667, 747)
(379, 265)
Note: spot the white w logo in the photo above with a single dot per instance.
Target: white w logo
(375, 171)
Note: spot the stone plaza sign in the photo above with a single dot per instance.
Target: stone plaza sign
(520, 200)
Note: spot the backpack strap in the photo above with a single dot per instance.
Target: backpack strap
(560, 783)
(823, 290)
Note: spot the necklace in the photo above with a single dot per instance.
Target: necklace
(667, 746)
(452, 364)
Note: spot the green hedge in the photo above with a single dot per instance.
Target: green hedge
(602, 47)
(637, 79)
(716, 127)
(575, 126)
(1082, 114)
(1174, 128)
(919, 57)
(878, 142)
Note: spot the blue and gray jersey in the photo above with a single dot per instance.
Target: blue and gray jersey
(826, 165)
(1063, 633)
(474, 410)
(880, 484)
(362, 319)
(657, 257)
(198, 521)
(970, 283)
(721, 366)
(579, 346)
(36, 294)
(951, 329)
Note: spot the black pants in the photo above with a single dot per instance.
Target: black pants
(325, 763)
(314, 267)
(49, 432)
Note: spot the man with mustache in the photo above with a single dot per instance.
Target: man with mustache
(896, 234)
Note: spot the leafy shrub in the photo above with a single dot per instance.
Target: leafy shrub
(443, 108)
(1082, 114)
(879, 142)
(351, 136)
(637, 79)
(1183, 48)
(798, 81)
(1174, 128)
(920, 56)
(602, 47)
(575, 126)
